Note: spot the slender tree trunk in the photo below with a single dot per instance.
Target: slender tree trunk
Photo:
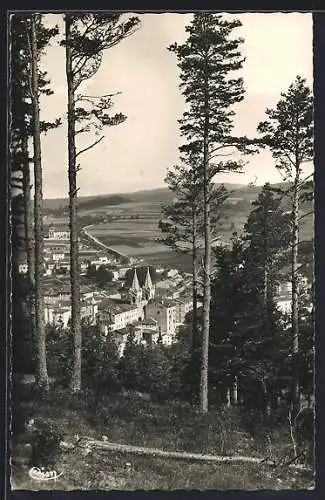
(265, 271)
(74, 249)
(265, 288)
(295, 293)
(27, 209)
(41, 367)
(234, 391)
(194, 282)
(195, 339)
(28, 226)
(228, 397)
(207, 259)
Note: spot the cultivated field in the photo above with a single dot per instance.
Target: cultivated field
(131, 227)
(132, 237)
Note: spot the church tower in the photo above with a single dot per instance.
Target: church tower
(135, 290)
(148, 287)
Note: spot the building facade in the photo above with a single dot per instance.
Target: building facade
(164, 311)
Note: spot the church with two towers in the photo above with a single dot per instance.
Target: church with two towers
(140, 295)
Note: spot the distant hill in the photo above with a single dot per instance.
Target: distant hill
(85, 202)
(145, 196)
(102, 201)
(159, 195)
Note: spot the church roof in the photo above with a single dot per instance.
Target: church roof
(148, 280)
(135, 282)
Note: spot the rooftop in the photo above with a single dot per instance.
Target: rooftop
(184, 298)
(59, 227)
(165, 302)
(116, 307)
(146, 322)
(61, 310)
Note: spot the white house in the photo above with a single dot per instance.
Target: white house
(122, 271)
(148, 330)
(165, 284)
(172, 273)
(164, 311)
(59, 232)
(120, 337)
(115, 315)
(55, 295)
(56, 257)
(23, 268)
(83, 267)
(184, 306)
(89, 309)
(57, 315)
(167, 339)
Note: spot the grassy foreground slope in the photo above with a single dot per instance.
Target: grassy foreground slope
(172, 426)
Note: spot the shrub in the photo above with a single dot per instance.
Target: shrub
(100, 362)
(59, 345)
(155, 369)
(99, 359)
(18, 418)
(132, 365)
(46, 443)
(157, 380)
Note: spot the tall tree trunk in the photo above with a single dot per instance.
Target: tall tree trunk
(265, 288)
(207, 258)
(265, 270)
(194, 281)
(295, 292)
(28, 226)
(234, 391)
(41, 367)
(195, 340)
(74, 249)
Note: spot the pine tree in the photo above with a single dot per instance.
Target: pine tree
(86, 37)
(183, 231)
(131, 364)
(245, 323)
(288, 132)
(41, 374)
(208, 60)
(267, 232)
(226, 305)
(100, 362)
(29, 37)
(21, 117)
(247, 346)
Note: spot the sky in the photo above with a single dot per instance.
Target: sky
(135, 155)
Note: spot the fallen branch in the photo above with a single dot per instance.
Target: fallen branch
(155, 452)
(291, 461)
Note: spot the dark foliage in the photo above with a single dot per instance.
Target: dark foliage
(45, 443)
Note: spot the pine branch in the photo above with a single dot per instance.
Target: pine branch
(306, 178)
(305, 215)
(89, 147)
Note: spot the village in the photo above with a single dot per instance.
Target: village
(153, 311)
